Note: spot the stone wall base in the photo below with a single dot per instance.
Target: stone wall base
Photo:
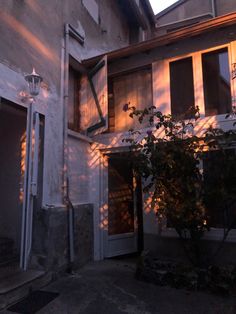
(51, 242)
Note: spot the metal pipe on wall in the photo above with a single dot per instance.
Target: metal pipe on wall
(213, 6)
(69, 31)
(66, 197)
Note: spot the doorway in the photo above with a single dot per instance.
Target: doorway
(13, 120)
(124, 235)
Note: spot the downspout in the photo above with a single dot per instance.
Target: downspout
(213, 5)
(66, 198)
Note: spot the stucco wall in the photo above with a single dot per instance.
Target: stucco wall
(225, 7)
(185, 10)
(189, 9)
(32, 34)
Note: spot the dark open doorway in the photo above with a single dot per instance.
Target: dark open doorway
(12, 157)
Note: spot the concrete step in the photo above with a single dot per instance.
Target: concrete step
(9, 260)
(7, 250)
(6, 244)
(16, 284)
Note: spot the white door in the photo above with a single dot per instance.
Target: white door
(121, 234)
(30, 183)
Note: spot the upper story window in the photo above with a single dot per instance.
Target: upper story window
(216, 82)
(181, 86)
(202, 79)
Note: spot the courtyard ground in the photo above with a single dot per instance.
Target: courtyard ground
(109, 287)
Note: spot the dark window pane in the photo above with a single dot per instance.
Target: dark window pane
(181, 87)
(220, 186)
(216, 81)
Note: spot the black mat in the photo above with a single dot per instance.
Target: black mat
(34, 302)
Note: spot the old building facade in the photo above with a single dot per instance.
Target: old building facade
(68, 194)
(45, 166)
(194, 65)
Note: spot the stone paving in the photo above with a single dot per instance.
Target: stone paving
(109, 287)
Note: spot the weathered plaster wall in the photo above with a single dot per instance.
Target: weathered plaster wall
(78, 170)
(225, 7)
(185, 10)
(191, 9)
(32, 35)
(29, 39)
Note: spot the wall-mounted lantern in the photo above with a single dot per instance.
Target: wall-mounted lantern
(34, 80)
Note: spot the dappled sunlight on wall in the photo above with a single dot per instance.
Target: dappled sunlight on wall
(78, 171)
(22, 164)
(29, 37)
(148, 207)
(34, 6)
(104, 217)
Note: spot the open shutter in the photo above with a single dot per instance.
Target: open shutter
(97, 98)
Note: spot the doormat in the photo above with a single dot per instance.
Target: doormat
(34, 302)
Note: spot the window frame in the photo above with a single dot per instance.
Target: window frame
(198, 75)
(75, 125)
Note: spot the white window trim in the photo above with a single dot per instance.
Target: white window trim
(198, 76)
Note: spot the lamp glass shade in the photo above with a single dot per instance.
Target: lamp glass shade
(34, 80)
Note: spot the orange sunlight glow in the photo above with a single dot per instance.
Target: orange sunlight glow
(28, 36)
(22, 163)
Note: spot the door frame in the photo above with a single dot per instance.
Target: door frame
(30, 189)
(104, 203)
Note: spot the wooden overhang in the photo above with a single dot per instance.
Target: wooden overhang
(183, 33)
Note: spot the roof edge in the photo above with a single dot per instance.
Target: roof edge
(183, 33)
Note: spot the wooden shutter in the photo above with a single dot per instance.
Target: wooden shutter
(96, 112)
(134, 89)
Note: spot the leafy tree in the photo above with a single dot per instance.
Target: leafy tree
(168, 158)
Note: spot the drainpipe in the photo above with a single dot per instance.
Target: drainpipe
(65, 106)
(69, 31)
(213, 6)
(66, 198)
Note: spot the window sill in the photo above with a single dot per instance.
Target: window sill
(79, 136)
